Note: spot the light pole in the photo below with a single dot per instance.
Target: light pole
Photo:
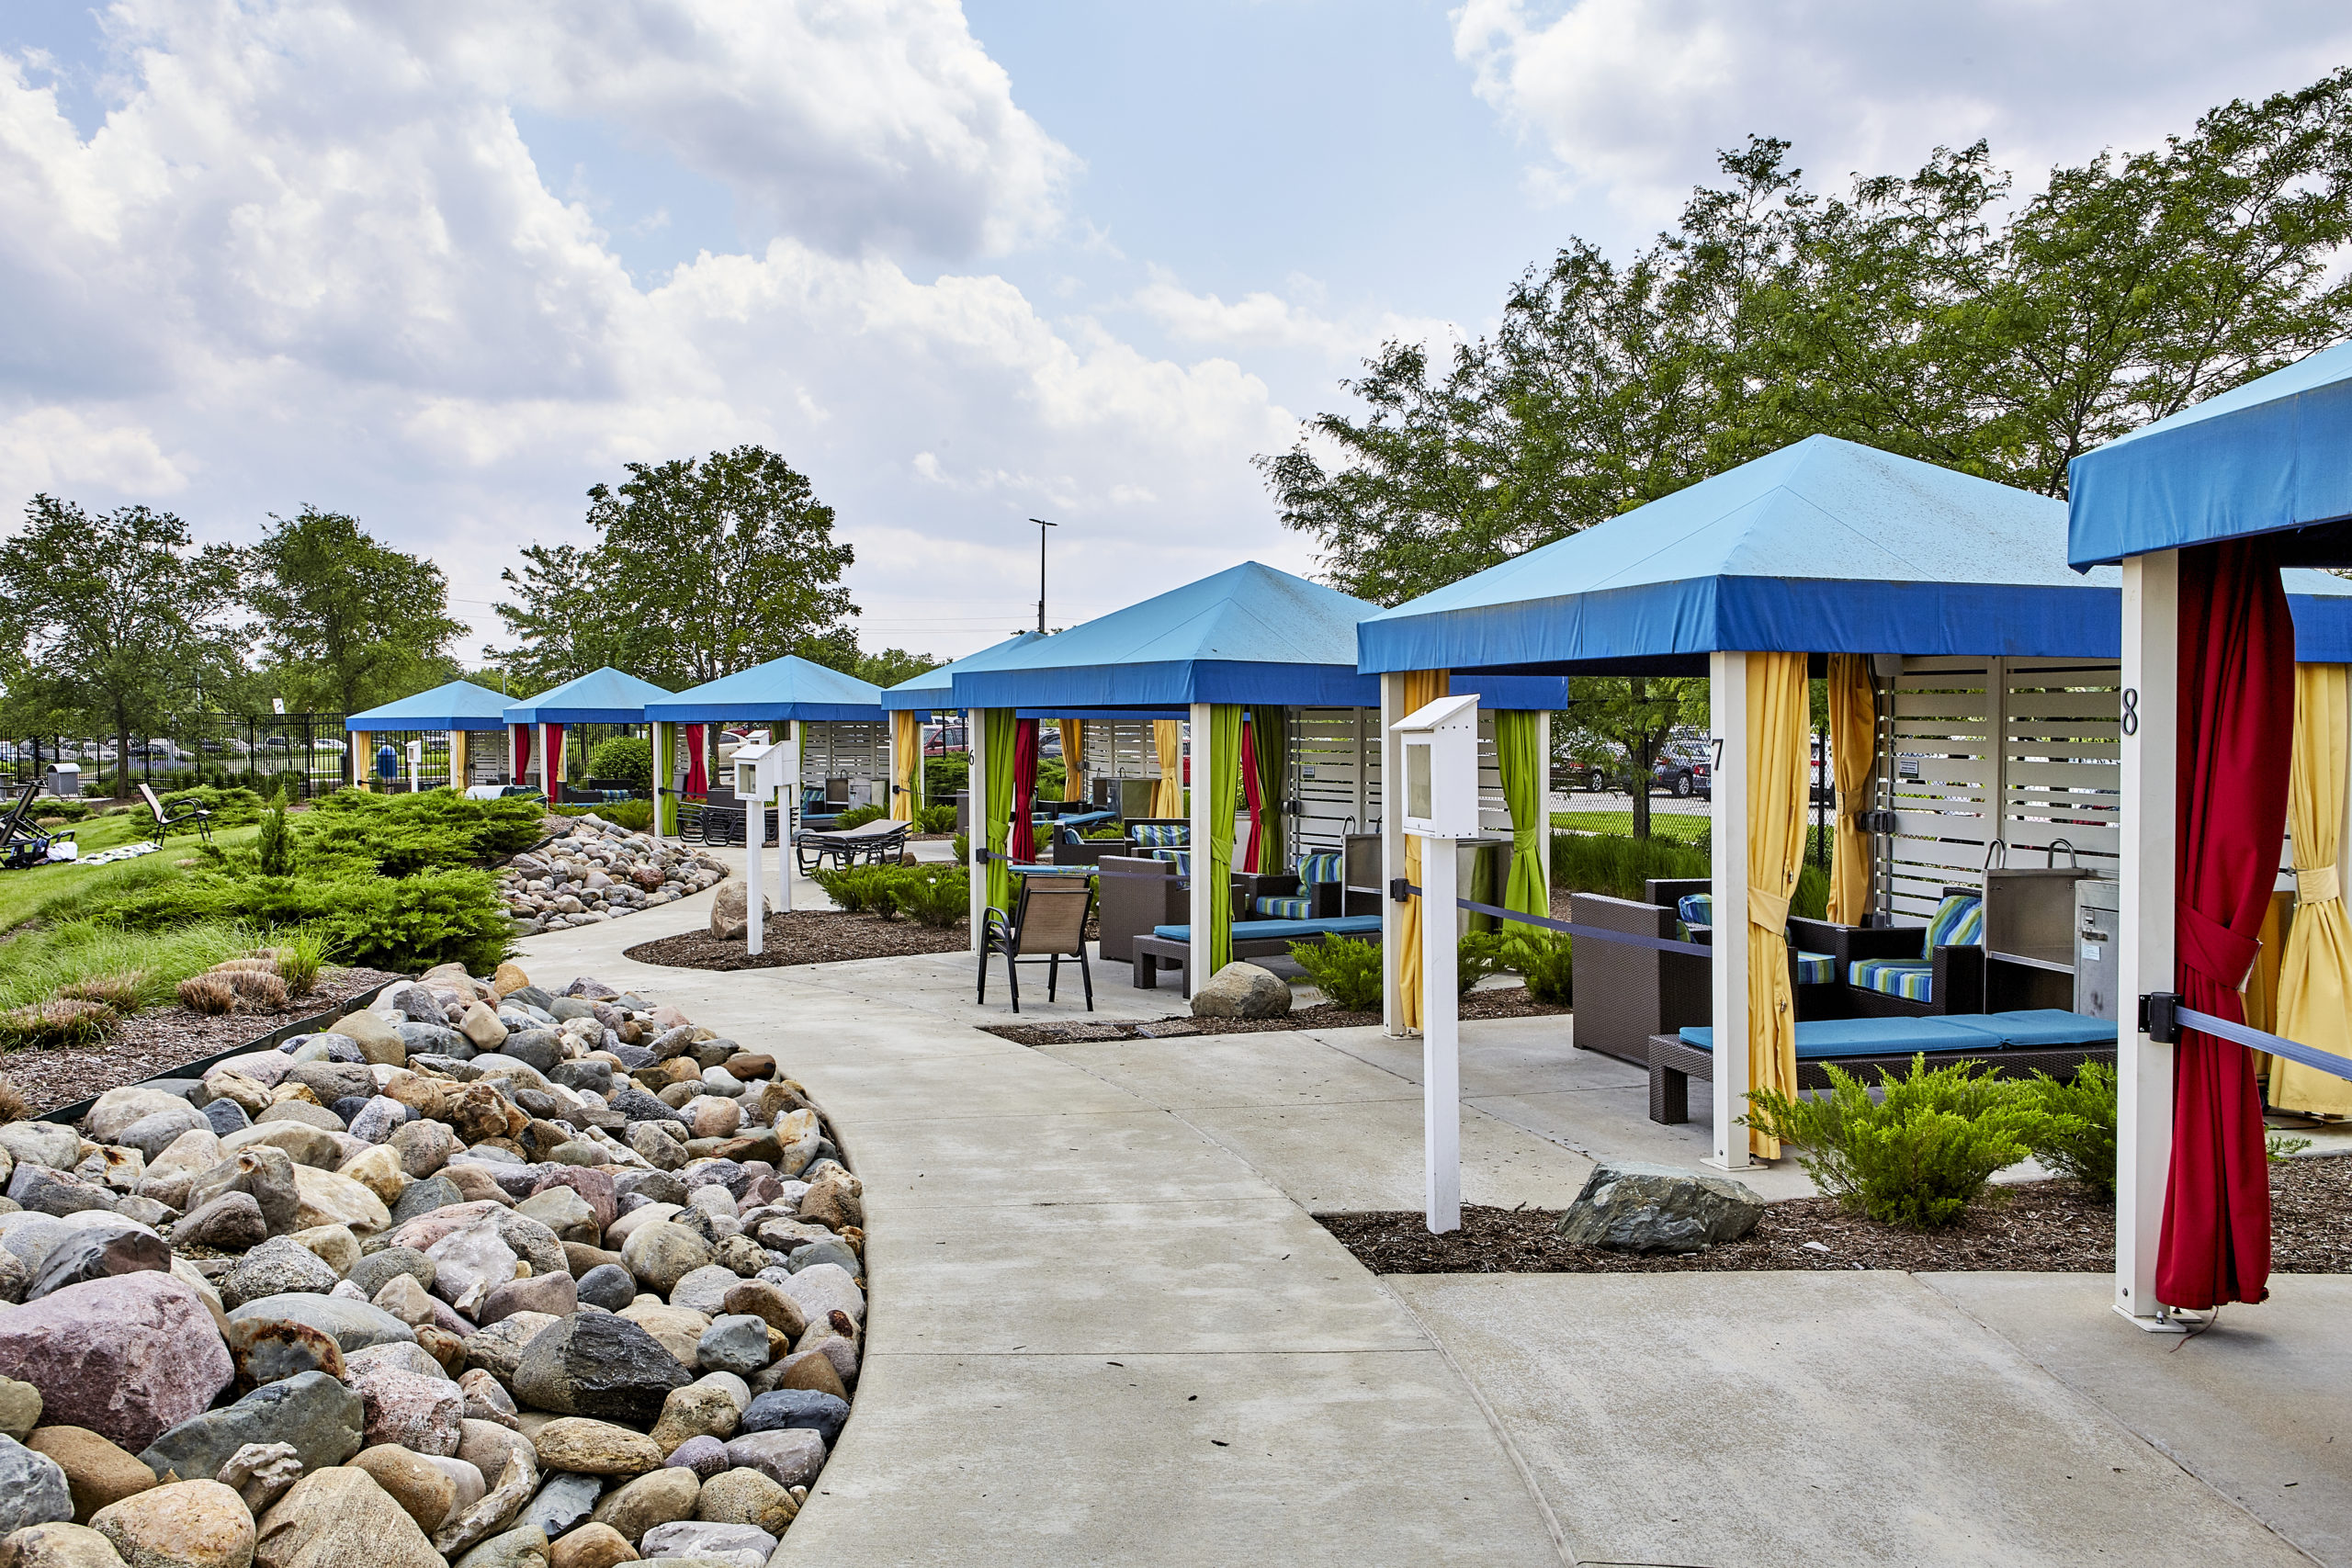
(1041, 526)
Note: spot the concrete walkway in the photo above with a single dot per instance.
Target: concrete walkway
(1105, 1330)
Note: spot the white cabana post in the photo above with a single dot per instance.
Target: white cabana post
(1727, 840)
(2143, 1110)
(661, 780)
(787, 810)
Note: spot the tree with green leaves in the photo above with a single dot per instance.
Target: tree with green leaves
(118, 617)
(1633, 716)
(1920, 314)
(347, 621)
(703, 567)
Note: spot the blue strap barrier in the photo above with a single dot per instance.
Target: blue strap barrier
(2161, 1019)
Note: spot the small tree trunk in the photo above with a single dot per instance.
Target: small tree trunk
(122, 752)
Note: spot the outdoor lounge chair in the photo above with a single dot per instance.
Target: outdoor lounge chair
(1171, 946)
(1907, 971)
(1311, 892)
(1047, 925)
(167, 821)
(22, 841)
(878, 842)
(1138, 893)
(2012, 1044)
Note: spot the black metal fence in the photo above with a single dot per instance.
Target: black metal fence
(307, 754)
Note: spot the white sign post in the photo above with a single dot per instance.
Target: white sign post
(1440, 744)
(759, 771)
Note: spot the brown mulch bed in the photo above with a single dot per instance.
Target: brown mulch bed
(2044, 1227)
(806, 936)
(155, 1041)
(1503, 1001)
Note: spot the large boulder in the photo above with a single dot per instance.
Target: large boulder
(126, 1357)
(600, 1365)
(730, 917)
(32, 1488)
(188, 1524)
(1242, 990)
(338, 1517)
(1627, 1206)
(317, 1416)
(354, 1325)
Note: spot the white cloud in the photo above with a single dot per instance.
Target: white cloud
(1632, 97)
(1262, 319)
(310, 259)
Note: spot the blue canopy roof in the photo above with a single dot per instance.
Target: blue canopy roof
(460, 704)
(1824, 546)
(601, 696)
(1250, 634)
(790, 687)
(2275, 454)
(935, 688)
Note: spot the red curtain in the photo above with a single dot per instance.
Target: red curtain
(1250, 793)
(522, 738)
(1023, 847)
(2237, 714)
(697, 777)
(552, 765)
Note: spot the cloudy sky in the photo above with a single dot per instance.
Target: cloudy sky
(445, 265)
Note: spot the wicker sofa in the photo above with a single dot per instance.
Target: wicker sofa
(1138, 893)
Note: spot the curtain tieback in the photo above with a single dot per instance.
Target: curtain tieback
(2319, 885)
(2214, 950)
(1768, 910)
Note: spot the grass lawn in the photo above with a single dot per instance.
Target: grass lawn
(22, 893)
(1683, 827)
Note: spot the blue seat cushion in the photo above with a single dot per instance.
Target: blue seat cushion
(1285, 909)
(1161, 835)
(1817, 968)
(1959, 923)
(1180, 859)
(1696, 908)
(1284, 931)
(1913, 979)
(1821, 1039)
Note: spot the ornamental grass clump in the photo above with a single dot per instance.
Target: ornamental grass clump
(117, 993)
(13, 1106)
(61, 1021)
(208, 993)
(1918, 1156)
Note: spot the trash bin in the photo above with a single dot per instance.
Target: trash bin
(63, 778)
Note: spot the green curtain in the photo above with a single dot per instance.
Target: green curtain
(665, 805)
(1224, 785)
(1519, 752)
(1271, 726)
(997, 741)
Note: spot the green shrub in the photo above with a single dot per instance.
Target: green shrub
(415, 922)
(859, 815)
(856, 889)
(943, 776)
(1545, 959)
(625, 762)
(963, 848)
(1920, 1155)
(274, 848)
(300, 954)
(931, 895)
(401, 835)
(1105, 833)
(234, 807)
(937, 818)
(1345, 971)
(1811, 901)
(2080, 1138)
(1475, 956)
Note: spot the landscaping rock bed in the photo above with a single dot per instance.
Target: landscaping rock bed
(806, 936)
(2056, 1226)
(597, 871)
(160, 1039)
(485, 1274)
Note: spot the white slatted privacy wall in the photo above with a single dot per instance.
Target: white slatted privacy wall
(1120, 748)
(843, 749)
(1334, 774)
(1494, 811)
(2024, 751)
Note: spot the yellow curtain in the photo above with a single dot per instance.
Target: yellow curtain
(363, 758)
(1779, 704)
(1422, 687)
(906, 763)
(458, 760)
(1074, 758)
(1853, 748)
(2316, 978)
(1167, 739)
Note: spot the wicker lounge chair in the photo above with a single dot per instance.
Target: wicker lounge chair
(1047, 925)
(1138, 893)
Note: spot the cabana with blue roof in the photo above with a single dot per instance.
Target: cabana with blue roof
(2237, 727)
(1251, 639)
(455, 710)
(601, 696)
(807, 697)
(1899, 583)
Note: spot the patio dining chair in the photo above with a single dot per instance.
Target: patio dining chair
(167, 820)
(1047, 925)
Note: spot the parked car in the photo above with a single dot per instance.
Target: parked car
(938, 740)
(1591, 777)
(1684, 768)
